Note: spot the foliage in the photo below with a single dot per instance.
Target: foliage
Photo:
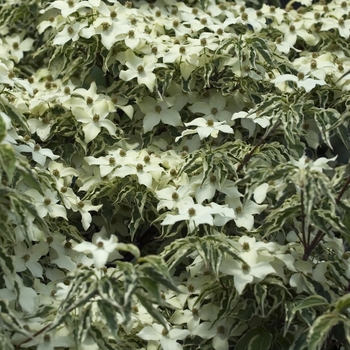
(171, 175)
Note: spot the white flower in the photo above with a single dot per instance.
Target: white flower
(244, 213)
(47, 204)
(39, 154)
(140, 68)
(67, 7)
(69, 32)
(159, 111)
(206, 128)
(171, 197)
(217, 330)
(84, 208)
(246, 272)
(214, 110)
(27, 258)
(307, 83)
(194, 214)
(17, 46)
(318, 165)
(342, 25)
(93, 119)
(100, 251)
(167, 338)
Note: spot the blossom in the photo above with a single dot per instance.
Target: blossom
(84, 208)
(39, 154)
(302, 81)
(100, 251)
(217, 330)
(140, 68)
(167, 338)
(18, 46)
(93, 119)
(342, 25)
(171, 197)
(317, 165)
(69, 32)
(159, 111)
(214, 110)
(67, 7)
(194, 214)
(47, 204)
(246, 272)
(206, 128)
(244, 213)
(27, 258)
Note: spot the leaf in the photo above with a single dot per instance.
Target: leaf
(7, 160)
(311, 301)
(150, 309)
(150, 286)
(110, 315)
(2, 128)
(343, 303)
(261, 342)
(28, 177)
(320, 329)
(255, 339)
(6, 262)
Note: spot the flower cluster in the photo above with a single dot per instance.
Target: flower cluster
(162, 185)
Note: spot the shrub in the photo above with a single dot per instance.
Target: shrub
(174, 175)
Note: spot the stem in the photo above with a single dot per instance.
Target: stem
(262, 140)
(313, 245)
(342, 191)
(319, 235)
(303, 217)
(34, 335)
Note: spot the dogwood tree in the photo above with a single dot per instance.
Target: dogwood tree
(170, 175)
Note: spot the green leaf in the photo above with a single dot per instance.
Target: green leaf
(311, 301)
(255, 339)
(7, 160)
(343, 303)
(150, 286)
(110, 315)
(2, 129)
(261, 341)
(144, 300)
(28, 177)
(321, 328)
(6, 262)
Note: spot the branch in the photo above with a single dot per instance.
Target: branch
(261, 141)
(342, 191)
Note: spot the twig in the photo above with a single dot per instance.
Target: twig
(342, 191)
(303, 216)
(261, 141)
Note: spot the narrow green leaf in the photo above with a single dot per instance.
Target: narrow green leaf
(144, 300)
(255, 339)
(311, 301)
(110, 316)
(150, 285)
(261, 341)
(2, 129)
(7, 160)
(320, 330)
(343, 303)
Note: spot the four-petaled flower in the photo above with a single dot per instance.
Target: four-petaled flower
(100, 251)
(141, 68)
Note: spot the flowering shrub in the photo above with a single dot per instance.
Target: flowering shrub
(163, 185)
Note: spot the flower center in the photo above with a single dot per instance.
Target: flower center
(191, 212)
(210, 122)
